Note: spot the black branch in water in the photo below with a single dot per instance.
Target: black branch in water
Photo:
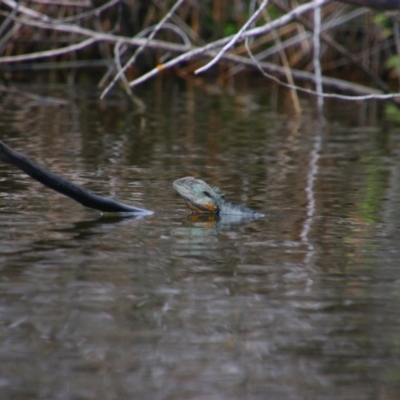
(62, 185)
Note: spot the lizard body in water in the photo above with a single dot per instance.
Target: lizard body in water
(204, 198)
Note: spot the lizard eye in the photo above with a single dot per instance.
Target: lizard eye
(207, 194)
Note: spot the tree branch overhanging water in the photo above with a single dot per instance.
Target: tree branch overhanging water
(65, 187)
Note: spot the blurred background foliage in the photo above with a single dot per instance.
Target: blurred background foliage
(371, 37)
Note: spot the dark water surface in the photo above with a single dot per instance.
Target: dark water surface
(301, 304)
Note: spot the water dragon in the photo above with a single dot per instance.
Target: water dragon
(204, 198)
(199, 196)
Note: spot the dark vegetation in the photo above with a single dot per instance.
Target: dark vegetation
(130, 41)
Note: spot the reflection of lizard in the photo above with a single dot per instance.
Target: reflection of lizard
(204, 198)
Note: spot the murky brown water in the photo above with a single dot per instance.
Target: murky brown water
(301, 304)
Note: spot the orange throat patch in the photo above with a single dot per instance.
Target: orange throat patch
(205, 208)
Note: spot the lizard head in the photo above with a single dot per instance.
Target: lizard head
(199, 196)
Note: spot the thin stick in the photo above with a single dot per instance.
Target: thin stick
(235, 39)
(98, 36)
(88, 14)
(49, 53)
(331, 42)
(317, 64)
(66, 3)
(25, 10)
(141, 48)
(285, 62)
(7, 36)
(251, 32)
(332, 81)
(143, 33)
(180, 23)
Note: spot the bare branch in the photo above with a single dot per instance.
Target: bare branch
(358, 12)
(66, 3)
(343, 85)
(251, 32)
(58, 26)
(285, 62)
(49, 53)
(216, 50)
(317, 64)
(141, 48)
(99, 36)
(235, 39)
(88, 14)
(25, 10)
(300, 10)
